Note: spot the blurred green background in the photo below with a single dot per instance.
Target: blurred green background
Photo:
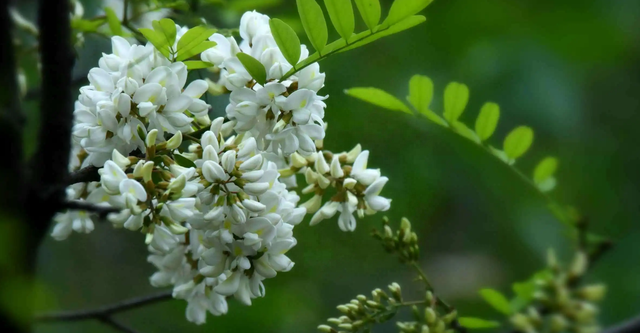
(568, 68)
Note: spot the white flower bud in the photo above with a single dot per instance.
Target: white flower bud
(284, 173)
(147, 170)
(310, 176)
(321, 165)
(336, 168)
(120, 159)
(280, 125)
(150, 140)
(349, 183)
(297, 160)
(353, 154)
(178, 184)
(313, 204)
(175, 141)
(216, 125)
(228, 161)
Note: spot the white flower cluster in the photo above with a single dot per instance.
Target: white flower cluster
(134, 87)
(284, 117)
(218, 213)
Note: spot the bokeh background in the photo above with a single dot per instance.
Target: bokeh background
(568, 68)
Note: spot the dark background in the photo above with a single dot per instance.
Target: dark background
(569, 69)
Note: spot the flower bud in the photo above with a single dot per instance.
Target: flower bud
(178, 184)
(298, 161)
(146, 171)
(430, 315)
(580, 264)
(286, 172)
(351, 155)
(325, 329)
(175, 141)
(313, 204)
(336, 168)
(151, 138)
(321, 165)
(119, 159)
(594, 292)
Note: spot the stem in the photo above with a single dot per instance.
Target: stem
(125, 12)
(102, 211)
(630, 326)
(326, 55)
(105, 311)
(429, 286)
(116, 325)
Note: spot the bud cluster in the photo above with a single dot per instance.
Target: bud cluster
(560, 303)
(361, 313)
(404, 242)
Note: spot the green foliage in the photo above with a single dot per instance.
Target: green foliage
(183, 161)
(518, 142)
(287, 40)
(497, 300)
(313, 22)
(477, 323)
(191, 44)
(378, 97)
(402, 18)
(420, 96)
(114, 23)
(197, 64)
(254, 67)
(400, 9)
(543, 173)
(341, 14)
(370, 12)
(456, 96)
(194, 42)
(83, 25)
(487, 120)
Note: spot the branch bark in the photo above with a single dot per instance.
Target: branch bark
(630, 326)
(102, 211)
(105, 311)
(84, 175)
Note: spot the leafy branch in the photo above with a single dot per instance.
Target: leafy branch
(456, 96)
(401, 17)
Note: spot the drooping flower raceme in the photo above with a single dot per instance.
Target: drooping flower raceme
(217, 212)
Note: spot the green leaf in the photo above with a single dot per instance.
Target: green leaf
(254, 67)
(287, 40)
(420, 92)
(401, 9)
(545, 169)
(378, 97)
(518, 141)
(313, 22)
(242, 6)
(193, 42)
(183, 161)
(487, 120)
(496, 300)
(420, 96)
(114, 23)
(456, 96)
(203, 46)
(168, 28)
(367, 37)
(87, 25)
(341, 15)
(197, 64)
(370, 12)
(158, 40)
(477, 323)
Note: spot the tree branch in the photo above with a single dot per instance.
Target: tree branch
(102, 211)
(84, 175)
(630, 326)
(105, 311)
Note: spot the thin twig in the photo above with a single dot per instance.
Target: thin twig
(102, 211)
(109, 321)
(105, 311)
(630, 326)
(84, 175)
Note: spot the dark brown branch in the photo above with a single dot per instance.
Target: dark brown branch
(117, 325)
(105, 311)
(102, 211)
(50, 163)
(34, 93)
(630, 326)
(84, 175)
